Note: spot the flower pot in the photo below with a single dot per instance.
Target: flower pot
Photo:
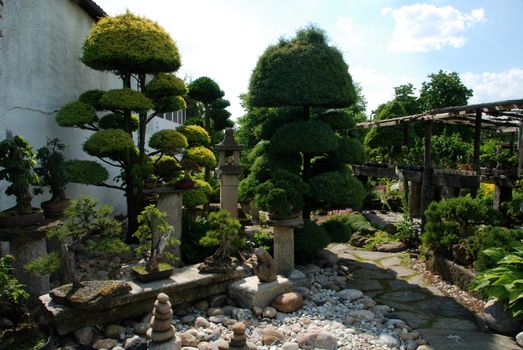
(54, 209)
(184, 185)
(164, 271)
(21, 220)
(149, 184)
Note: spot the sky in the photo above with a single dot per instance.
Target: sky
(386, 43)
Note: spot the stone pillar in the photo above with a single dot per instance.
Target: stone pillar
(170, 202)
(448, 192)
(283, 235)
(415, 199)
(25, 251)
(502, 193)
(229, 193)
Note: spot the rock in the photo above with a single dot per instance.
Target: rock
(117, 347)
(288, 302)
(84, 335)
(357, 239)
(223, 345)
(411, 345)
(350, 294)
(202, 306)
(114, 331)
(251, 346)
(424, 347)
(106, 343)
(218, 300)
(389, 340)
(201, 322)
(188, 318)
(296, 275)
(271, 336)
(257, 311)
(409, 335)
(5, 322)
(305, 292)
(239, 339)
(317, 340)
(519, 339)
(311, 269)
(325, 257)
(215, 311)
(217, 319)
(270, 312)
(135, 343)
(498, 319)
(290, 346)
(204, 346)
(142, 326)
(391, 247)
(189, 348)
(188, 339)
(241, 314)
(249, 292)
(161, 330)
(264, 267)
(366, 301)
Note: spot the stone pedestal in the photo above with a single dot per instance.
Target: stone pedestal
(170, 201)
(249, 292)
(415, 199)
(229, 193)
(502, 193)
(283, 235)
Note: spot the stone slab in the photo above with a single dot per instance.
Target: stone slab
(185, 284)
(392, 261)
(466, 340)
(249, 292)
(365, 285)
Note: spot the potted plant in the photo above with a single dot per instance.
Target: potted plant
(17, 161)
(53, 174)
(155, 235)
(224, 233)
(189, 167)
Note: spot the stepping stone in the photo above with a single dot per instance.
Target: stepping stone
(413, 319)
(395, 285)
(372, 274)
(442, 306)
(402, 271)
(455, 324)
(366, 255)
(392, 261)
(397, 306)
(466, 340)
(401, 296)
(365, 285)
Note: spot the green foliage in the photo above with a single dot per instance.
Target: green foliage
(167, 168)
(92, 98)
(406, 232)
(338, 119)
(193, 230)
(205, 90)
(505, 280)
(448, 150)
(169, 104)
(337, 190)
(311, 137)
(198, 195)
(492, 155)
(42, 266)
(224, 230)
(349, 151)
(86, 172)
(264, 240)
(453, 220)
(168, 141)
(151, 219)
(303, 71)
(117, 121)
(51, 169)
(202, 156)
(17, 162)
(10, 288)
(444, 89)
(355, 221)
(130, 44)
(110, 143)
(120, 100)
(76, 114)
(195, 134)
(165, 85)
(283, 195)
(309, 239)
(379, 237)
(492, 237)
(338, 231)
(247, 189)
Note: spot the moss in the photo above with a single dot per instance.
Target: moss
(143, 271)
(168, 140)
(92, 98)
(201, 155)
(195, 134)
(130, 44)
(111, 143)
(205, 90)
(169, 104)
(117, 121)
(125, 100)
(85, 172)
(164, 85)
(75, 114)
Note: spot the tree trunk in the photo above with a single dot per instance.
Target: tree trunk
(68, 263)
(306, 212)
(23, 201)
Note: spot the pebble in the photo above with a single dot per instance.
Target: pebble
(519, 339)
(201, 322)
(270, 312)
(389, 340)
(104, 344)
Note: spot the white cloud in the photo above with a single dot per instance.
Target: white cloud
(494, 86)
(346, 35)
(424, 27)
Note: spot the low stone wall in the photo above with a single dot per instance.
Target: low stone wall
(449, 271)
(186, 284)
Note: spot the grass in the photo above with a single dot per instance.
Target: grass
(142, 271)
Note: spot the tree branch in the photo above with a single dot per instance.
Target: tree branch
(109, 163)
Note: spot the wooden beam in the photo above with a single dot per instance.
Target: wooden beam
(520, 148)
(477, 142)
(426, 188)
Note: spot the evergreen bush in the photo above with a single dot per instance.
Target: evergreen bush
(308, 240)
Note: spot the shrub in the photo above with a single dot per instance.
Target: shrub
(198, 195)
(195, 134)
(201, 155)
(313, 137)
(407, 233)
(168, 140)
(337, 190)
(163, 85)
(338, 231)
(167, 168)
(308, 240)
(492, 237)
(117, 121)
(76, 114)
(377, 238)
(225, 231)
(125, 100)
(505, 280)
(111, 143)
(92, 98)
(86, 172)
(10, 289)
(265, 240)
(193, 230)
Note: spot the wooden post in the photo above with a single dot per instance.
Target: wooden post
(426, 188)
(520, 148)
(477, 141)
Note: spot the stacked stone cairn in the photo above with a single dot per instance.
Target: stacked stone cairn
(239, 338)
(161, 329)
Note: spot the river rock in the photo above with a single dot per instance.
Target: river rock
(271, 335)
(84, 335)
(389, 340)
(498, 319)
(201, 322)
(288, 302)
(270, 312)
(350, 294)
(114, 331)
(317, 340)
(106, 343)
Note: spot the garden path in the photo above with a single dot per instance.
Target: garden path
(440, 319)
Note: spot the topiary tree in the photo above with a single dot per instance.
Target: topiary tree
(132, 47)
(297, 80)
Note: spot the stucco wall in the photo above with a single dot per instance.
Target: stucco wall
(40, 71)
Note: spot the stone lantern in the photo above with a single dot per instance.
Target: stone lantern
(229, 171)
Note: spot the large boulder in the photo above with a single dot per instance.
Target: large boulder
(288, 302)
(498, 319)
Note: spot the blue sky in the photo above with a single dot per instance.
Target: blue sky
(385, 42)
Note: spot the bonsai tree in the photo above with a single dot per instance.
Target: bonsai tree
(17, 162)
(224, 233)
(207, 92)
(155, 235)
(132, 47)
(298, 80)
(51, 168)
(85, 225)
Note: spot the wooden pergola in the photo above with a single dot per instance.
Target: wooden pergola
(503, 116)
